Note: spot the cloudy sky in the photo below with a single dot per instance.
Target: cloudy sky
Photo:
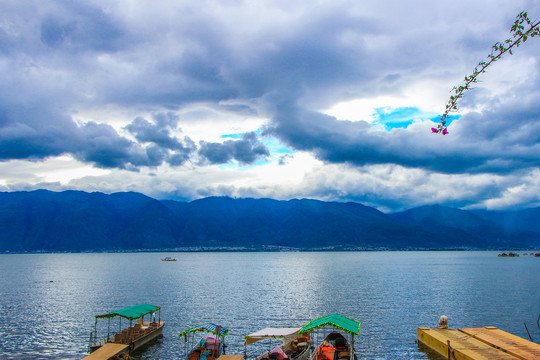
(330, 100)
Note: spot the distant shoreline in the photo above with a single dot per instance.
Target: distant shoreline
(229, 250)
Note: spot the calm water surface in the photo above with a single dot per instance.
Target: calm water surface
(48, 300)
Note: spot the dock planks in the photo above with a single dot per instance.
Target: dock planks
(230, 357)
(462, 346)
(512, 344)
(107, 351)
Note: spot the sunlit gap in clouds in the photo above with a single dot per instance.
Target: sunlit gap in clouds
(279, 154)
(419, 101)
(388, 117)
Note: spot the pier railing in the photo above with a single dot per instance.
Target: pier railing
(126, 336)
(94, 341)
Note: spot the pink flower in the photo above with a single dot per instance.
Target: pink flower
(445, 131)
(433, 130)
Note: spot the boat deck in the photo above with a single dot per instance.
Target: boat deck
(230, 357)
(107, 351)
(488, 343)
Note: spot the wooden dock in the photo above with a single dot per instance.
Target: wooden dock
(107, 351)
(230, 357)
(487, 343)
(512, 344)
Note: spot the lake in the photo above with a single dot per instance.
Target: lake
(48, 301)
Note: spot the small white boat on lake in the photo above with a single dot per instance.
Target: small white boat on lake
(168, 258)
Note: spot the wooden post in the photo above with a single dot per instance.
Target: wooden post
(218, 336)
(451, 355)
(95, 329)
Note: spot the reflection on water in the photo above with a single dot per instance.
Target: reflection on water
(49, 300)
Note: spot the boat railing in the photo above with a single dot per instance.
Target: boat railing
(295, 350)
(126, 336)
(95, 342)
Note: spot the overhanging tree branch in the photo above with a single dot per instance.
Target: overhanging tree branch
(519, 36)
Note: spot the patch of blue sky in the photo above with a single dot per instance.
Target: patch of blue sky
(231, 165)
(232, 136)
(275, 146)
(239, 135)
(449, 118)
(392, 118)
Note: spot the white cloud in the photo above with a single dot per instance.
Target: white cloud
(61, 170)
(426, 95)
(210, 123)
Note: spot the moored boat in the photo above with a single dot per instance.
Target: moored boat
(336, 345)
(168, 258)
(294, 346)
(204, 342)
(137, 335)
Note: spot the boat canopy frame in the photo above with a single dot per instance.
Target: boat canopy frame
(337, 321)
(131, 312)
(207, 328)
(217, 330)
(285, 333)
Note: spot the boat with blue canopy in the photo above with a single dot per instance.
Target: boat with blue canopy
(204, 342)
(333, 329)
(136, 335)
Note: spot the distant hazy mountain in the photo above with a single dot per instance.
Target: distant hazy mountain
(486, 229)
(79, 221)
(526, 220)
(74, 220)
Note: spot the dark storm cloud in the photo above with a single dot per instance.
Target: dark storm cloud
(54, 34)
(80, 26)
(40, 133)
(247, 150)
(157, 132)
(308, 59)
(501, 140)
(33, 133)
(164, 146)
(101, 144)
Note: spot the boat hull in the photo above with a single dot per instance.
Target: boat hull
(148, 338)
(302, 355)
(334, 347)
(135, 342)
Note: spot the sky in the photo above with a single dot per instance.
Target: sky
(329, 100)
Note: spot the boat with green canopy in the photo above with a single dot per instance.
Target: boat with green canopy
(209, 346)
(335, 345)
(136, 335)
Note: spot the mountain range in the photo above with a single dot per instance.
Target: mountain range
(75, 221)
